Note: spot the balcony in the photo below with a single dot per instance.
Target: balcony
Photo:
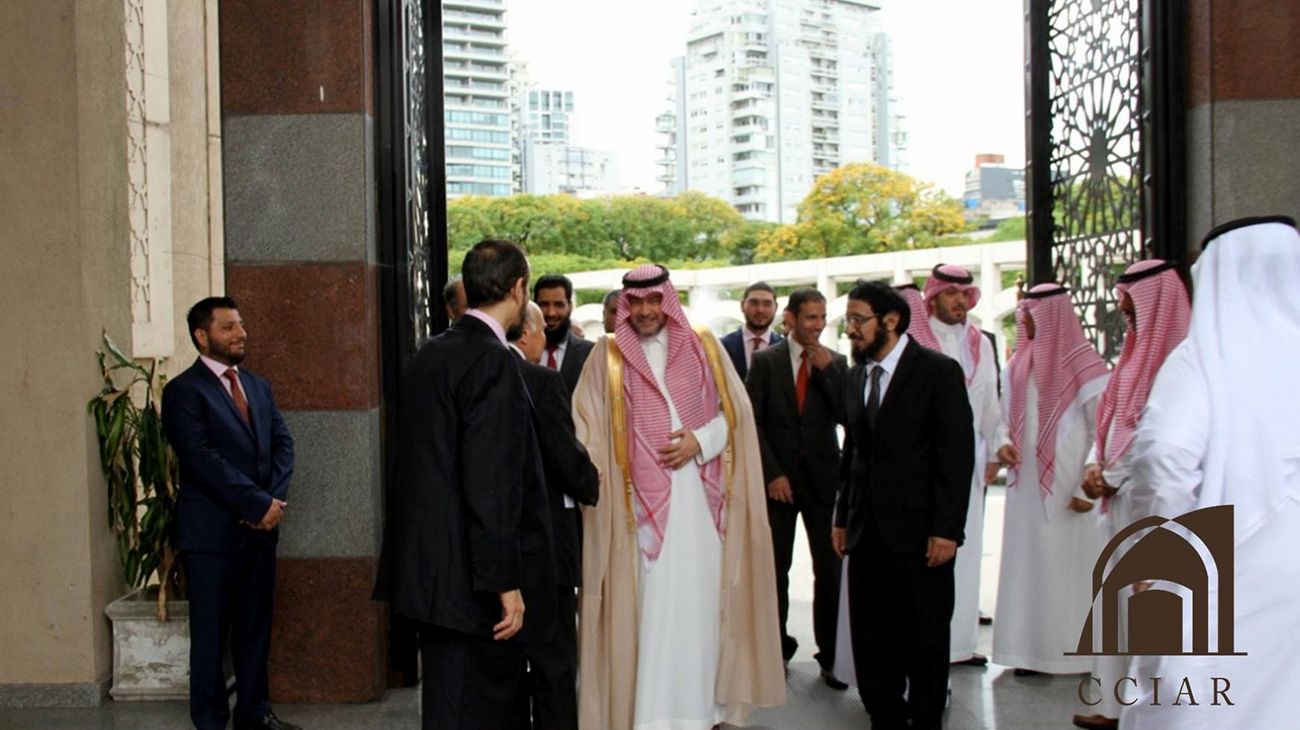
(482, 20)
(453, 33)
(492, 5)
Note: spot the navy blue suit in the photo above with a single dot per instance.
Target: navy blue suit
(734, 344)
(229, 471)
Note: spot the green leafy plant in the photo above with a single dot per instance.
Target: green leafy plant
(141, 472)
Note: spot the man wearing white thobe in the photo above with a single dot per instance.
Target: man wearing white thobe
(1049, 544)
(950, 294)
(1219, 429)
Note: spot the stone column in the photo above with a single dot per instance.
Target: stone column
(1243, 111)
(297, 108)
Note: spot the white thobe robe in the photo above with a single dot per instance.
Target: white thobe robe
(1109, 669)
(1048, 551)
(982, 389)
(679, 630)
(1169, 454)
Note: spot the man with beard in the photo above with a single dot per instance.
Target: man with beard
(468, 538)
(950, 293)
(796, 388)
(1219, 429)
(899, 515)
(565, 351)
(236, 459)
(759, 307)
(1155, 305)
(1049, 543)
(679, 616)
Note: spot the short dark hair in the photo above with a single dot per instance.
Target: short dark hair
(883, 299)
(758, 286)
(612, 294)
(799, 296)
(490, 269)
(551, 281)
(449, 291)
(200, 315)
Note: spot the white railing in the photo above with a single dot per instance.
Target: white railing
(708, 287)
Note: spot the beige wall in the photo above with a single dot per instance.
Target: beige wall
(65, 232)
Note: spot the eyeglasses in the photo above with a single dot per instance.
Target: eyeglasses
(855, 321)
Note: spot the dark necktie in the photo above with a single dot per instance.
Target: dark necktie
(801, 382)
(241, 403)
(873, 397)
(550, 357)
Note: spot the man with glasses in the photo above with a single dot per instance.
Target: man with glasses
(899, 515)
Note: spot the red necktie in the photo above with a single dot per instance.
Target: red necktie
(550, 357)
(758, 343)
(241, 403)
(801, 382)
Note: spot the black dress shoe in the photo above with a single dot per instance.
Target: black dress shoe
(1096, 722)
(986, 620)
(1019, 672)
(832, 681)
(976, 660)
(266, 722)
(789, 645)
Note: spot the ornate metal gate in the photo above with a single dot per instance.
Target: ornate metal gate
(412, 215)
(1104, 174)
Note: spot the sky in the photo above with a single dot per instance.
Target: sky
(958, 76)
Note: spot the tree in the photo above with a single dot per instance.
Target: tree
(864, 208)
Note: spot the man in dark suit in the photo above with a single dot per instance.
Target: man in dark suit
(797, 390)
(565, 351)
(571, 479)
(901, 510)
(236, 459)
(468, 540)
(759, 307)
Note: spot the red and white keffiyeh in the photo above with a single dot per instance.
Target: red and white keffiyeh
(951, 276)
(919, 328)
(1162, 313)
(1062, 362)
(689, 380)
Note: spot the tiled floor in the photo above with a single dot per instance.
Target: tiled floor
(983, 698)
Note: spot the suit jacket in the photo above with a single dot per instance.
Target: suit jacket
(468, 513)
(911, 475)
(576, 351)
(229, 471)
(787, 437)
(569, 471)
(734, 344)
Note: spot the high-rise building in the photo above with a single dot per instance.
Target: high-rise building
(551, 168)
(548, 161)
(772, 94)
(476, 95)
(994, 191)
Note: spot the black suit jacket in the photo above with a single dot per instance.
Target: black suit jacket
(576, 351)
(468, 514)
(734, 344)
(568, 468)
(786, 436)
(229, 471)
(911, 475)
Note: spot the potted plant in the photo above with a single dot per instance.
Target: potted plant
(151, 636)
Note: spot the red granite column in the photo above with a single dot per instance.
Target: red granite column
(1243, 72)
(296, 90)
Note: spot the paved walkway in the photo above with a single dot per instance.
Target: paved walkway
(988, 698)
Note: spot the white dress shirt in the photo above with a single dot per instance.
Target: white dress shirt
(888, 366)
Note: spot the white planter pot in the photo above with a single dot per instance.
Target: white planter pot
(151, 658)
